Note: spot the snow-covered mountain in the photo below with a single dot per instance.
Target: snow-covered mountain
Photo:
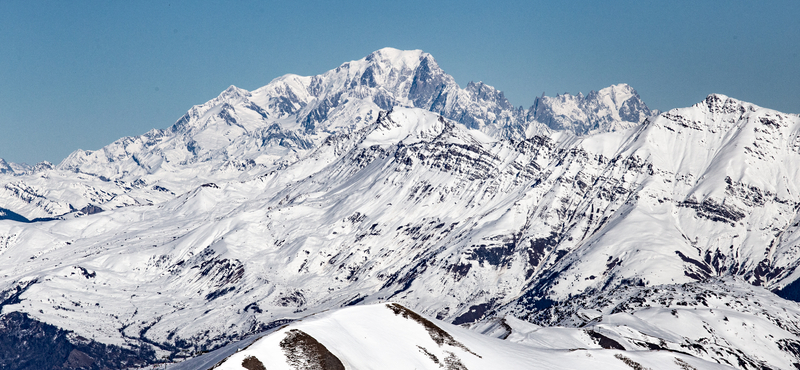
(614, 108)
(13, 168)
(383, 181)
(723, 321)
(242, 134)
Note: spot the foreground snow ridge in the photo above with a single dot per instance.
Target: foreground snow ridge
(390, 336)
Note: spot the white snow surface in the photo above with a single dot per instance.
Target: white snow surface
(375, 337)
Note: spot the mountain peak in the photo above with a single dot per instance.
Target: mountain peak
(233, 93)
(613, 108)
(233, 90)
(396, 57)
(14, 168)
(618, 93)
(622, 87)
(719, 103)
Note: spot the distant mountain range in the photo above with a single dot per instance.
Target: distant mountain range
(584, 222)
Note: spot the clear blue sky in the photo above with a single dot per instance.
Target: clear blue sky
(81, 74)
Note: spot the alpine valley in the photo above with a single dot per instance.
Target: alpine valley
(381, 216)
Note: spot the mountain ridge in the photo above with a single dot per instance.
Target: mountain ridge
(259, 208)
